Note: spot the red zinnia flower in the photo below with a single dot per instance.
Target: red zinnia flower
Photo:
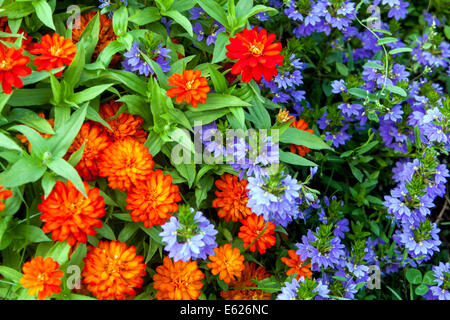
(125, 163)
(227, 262)
(42, 277)
(178, 280)
(70, 215)
(250, 230)
(302, 125)
(250, 273)
(232, 199)
(12, 66)
(4, 194)
(95, 141)
(297, 265)
(189, 86)
(112, 270)
(105, 35)
(55, 51)
(124, 124)
(258, 55)
(153, 200)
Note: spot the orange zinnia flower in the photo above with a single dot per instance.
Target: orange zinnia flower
(95, 141)
(24, 139)
(4, 194)
(258, 55)
(297, 265)
(302, 125)
(178, 280)
(153, 200)
(189, 86)
(41, 277)
(13, 65)
(125, 162)
(228, 263)
(112, 270)
(124, 125)
(250, 273)
(55, 51)
(69, 214)
(252, 226)
(232, 199)
(105, 36)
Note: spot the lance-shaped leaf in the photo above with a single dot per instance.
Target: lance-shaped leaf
(65, 135)
(24, 171)
(62, 168)
(303, 138)
(292, 158)
(37, 142)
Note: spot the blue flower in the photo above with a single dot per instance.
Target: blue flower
(276, 198)
(441, 289)
(191, 236)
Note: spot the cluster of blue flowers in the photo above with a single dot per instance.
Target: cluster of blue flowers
(189, 236)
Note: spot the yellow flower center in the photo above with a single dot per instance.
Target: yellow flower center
(56, 51)
(189, 84)
(6, 65)
(257, 49)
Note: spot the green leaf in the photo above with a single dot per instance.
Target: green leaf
(292, 158)
(89, 37)
(37, 142)
(31, 119)
(48, 182)
(44, 12)
(34, 97)
(59, 252)
(400, 50)
(30, 233)
(90, 93)
(65, 135)
(214, 10)
(153, 232)
(106, 232)
(386, 40)
(428, 278)
(73, 73)
(421, 290)
(342, 69)
(303, 138)
(203, 187)
(120, 21)
(17, 10)
(24, 171)
(361, 93)
(62, 168)
(357, 173)
(218, 79)
(10, 274)
(128, 231)
(219, 53)
(373, 65)
(128, 79)
(397, 90)
(181, 20)
(8, 143)
(145, 16)
(219, 101)
(414, 276)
